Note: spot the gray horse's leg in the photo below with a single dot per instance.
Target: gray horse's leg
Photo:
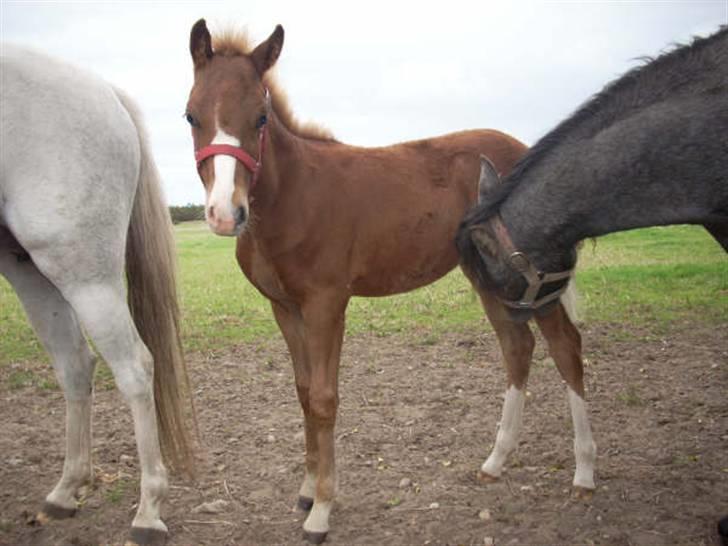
(719, 233)
(95, 290)
(57, 327)
(103, 311)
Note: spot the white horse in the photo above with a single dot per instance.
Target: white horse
(80, 197)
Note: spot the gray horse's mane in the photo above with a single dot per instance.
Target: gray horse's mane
(672, 73)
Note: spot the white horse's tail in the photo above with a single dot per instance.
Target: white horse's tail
(152, 298)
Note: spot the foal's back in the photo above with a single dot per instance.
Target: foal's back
(380, 221)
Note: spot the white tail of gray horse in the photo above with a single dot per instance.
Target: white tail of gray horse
(152, 298)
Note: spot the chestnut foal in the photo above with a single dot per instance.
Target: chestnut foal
(319, 221)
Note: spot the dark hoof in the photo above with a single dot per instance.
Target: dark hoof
(304, 503)
(314, 538)
(723, 531)
(53, 511)
(141, 536)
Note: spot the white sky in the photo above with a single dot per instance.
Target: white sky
(374, 72)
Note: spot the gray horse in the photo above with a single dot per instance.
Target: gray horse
(650, 149)
(79, 198)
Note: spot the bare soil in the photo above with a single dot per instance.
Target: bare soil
(412, 407)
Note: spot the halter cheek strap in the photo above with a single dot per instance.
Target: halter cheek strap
(254, 166)
(534, 277)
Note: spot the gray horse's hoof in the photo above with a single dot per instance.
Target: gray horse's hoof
(305, 503)
(143, 536)
(314, 538)
(53, 511)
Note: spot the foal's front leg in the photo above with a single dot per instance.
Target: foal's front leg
(290, 322)
(324, 332)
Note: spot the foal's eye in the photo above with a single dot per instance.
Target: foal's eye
(262, 120)
(191, 119)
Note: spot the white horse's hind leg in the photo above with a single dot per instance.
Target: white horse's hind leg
(104, 314)
(57, 327)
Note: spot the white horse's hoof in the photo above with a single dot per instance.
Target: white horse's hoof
(314, 537)
(144, 536)
(54, 511)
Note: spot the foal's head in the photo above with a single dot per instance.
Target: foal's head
(228, 111)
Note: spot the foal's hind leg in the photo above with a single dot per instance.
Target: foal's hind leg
(564, 342)
(517, 343)
(57, 327)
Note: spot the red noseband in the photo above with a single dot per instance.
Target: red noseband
(254, 166)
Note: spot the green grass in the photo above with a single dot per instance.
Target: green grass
(651, 277)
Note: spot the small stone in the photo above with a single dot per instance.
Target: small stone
(527, 488)
(270, 439)
(485, 515)
(489, 541)
(404, 483)
(126, 459)
(298, 436)
(434, 506)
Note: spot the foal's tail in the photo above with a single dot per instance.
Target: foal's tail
(152, 298)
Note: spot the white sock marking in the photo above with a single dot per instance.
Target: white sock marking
(585, 450)
(507, 438)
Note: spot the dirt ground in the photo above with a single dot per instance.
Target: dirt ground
(412, 407)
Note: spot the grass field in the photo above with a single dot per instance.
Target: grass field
(651, 277)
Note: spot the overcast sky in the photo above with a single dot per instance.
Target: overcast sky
(374, 72)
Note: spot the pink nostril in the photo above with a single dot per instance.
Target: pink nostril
(211, 212)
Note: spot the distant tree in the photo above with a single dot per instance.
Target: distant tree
(187, 213)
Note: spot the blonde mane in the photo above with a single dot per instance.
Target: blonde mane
(233, 43)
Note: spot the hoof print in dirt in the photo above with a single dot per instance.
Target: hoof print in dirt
(304, 504)
(140, 536)
(314, 538)
(582, 493)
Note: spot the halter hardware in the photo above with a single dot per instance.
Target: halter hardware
(534, 277)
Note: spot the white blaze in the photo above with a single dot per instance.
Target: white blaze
(221, 196)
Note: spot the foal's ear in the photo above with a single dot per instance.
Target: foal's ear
(200, 44)
(266, 54)
(489, 179)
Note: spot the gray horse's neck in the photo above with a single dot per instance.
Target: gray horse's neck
(634, 157)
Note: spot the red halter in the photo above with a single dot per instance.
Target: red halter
(238, 153)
